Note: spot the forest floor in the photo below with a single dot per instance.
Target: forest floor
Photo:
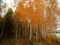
(23, 41)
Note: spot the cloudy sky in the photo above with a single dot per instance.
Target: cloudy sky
(10, 4)
(58, 3)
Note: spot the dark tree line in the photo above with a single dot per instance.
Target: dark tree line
(1, 26)
(9, 27)
(6, 25)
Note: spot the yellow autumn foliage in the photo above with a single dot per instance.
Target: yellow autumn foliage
(34, 11)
